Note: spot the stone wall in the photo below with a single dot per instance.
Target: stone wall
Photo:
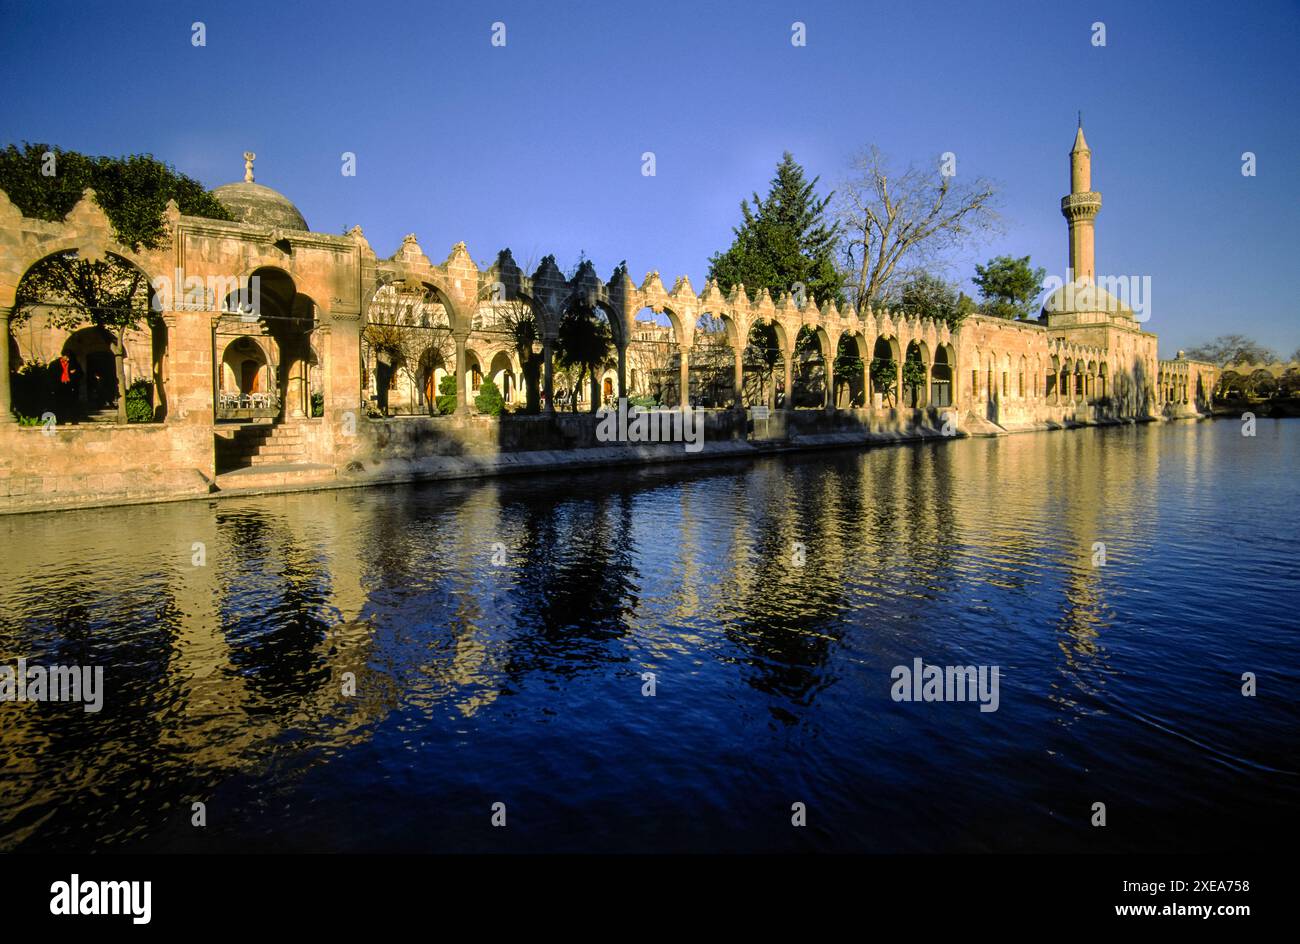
(70, 466)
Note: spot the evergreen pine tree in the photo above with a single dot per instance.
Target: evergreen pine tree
(783, 239)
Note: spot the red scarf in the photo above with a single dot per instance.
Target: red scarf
(64, 361)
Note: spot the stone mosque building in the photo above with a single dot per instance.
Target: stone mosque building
(287, 358)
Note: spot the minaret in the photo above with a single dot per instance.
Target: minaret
(1080, 208)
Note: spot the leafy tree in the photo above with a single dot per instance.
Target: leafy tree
(521, 324)
(1009, 286)
(848, 364)
(783, 239)
(583, 342)
(415, 350)
(1288, 384)
(928, 296)
(894, 219)
(139, 402)
(489, 399)
(515, 316)
(1230, 349)
(447, 394)
(884, 374)
(133, 192)
(913, 374)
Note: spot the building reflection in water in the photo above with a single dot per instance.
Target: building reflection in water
(787, 576)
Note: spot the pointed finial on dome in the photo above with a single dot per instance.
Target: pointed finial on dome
(249, 157)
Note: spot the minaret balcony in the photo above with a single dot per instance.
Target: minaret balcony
(1080, 206)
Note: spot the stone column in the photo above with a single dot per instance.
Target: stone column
(898, 380)
(462, 393)
(684, 368)
(341, 370)
(830, 382)
(925, 390)
(6, 401)
(866, 384)
(548, 373)
(738, 381)
(297, 376)
(622, 371)
(189, 378)
(788, 358)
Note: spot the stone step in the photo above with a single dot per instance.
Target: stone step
(281, 454)
(294, 444)
(275, 476)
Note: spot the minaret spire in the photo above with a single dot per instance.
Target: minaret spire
(1080, 208)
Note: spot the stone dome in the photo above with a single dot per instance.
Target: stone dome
(253, 203)
(1085, 296)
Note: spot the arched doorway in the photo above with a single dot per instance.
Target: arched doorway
(712, 363)
(97, 311)
(811, 360)
(850, 372)
(764, 364)
(501, 373)
(247, 386)
(942, 376)
(406, 348)
(95, 371)
(916, 375)
(884, 371)
(288, 318)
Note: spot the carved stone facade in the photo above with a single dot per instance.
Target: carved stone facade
(319, 292)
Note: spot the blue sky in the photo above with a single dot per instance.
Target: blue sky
(537, 145)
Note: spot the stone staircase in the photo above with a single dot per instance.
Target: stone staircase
(266, 456)
(259, 444)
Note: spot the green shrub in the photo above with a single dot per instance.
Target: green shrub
(644, 402)
(447, 394)
(489, 399)
(317, 403)
(139, 402)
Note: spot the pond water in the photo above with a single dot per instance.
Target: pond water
(503, 636)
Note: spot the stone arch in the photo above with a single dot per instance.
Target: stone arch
(246, 368)
(474, 371)
(886, 369)
(712, 359)
(406, 342)
(765, 357)
(812, 368)
(94, 372)
(290, 317)
(501, 371)
(99, 368)
(851, 368)
(916, 395)
(654, 356)
(943, 375)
